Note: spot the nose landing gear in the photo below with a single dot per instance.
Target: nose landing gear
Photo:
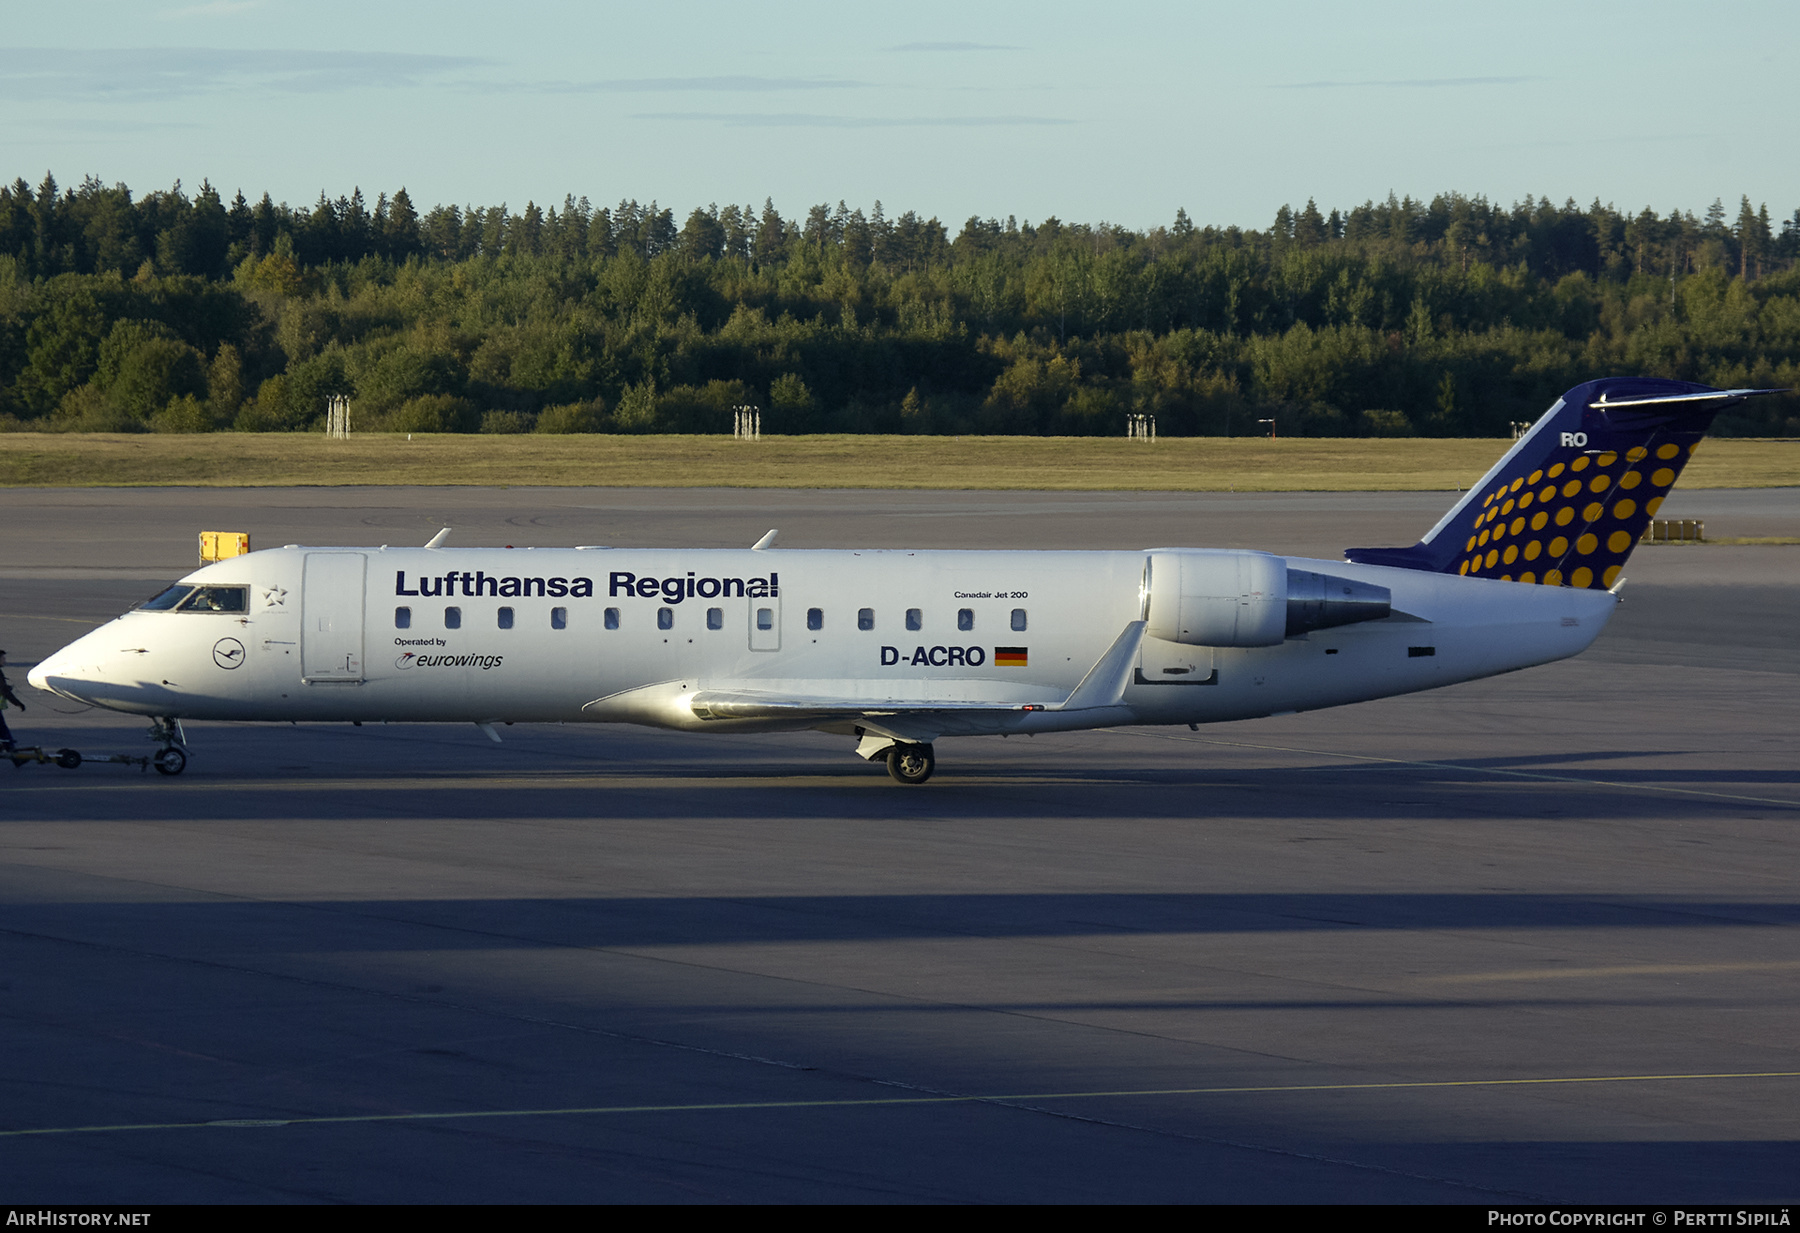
(171, 759)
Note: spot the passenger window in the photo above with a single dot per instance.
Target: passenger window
(1018, 620)
(453, 618)
(965, 619)
(865, 618)
(403, 618)
(665, 618)
(915, 620)
(715, 618)
(815, 618)
(506, 618)
(765, 618)
(559, 618)
(612, 618)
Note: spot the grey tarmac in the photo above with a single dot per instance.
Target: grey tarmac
(1528, 939)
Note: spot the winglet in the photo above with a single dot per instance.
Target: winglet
(487, 730)
(1104, 685)
(767, 541)
(437, 541)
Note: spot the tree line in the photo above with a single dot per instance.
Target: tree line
(1455, 316)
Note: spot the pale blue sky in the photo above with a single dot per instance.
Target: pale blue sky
(1119, 112)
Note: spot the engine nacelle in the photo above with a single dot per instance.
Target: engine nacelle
(1325, 601)
(1235, 598)
(1216, 597)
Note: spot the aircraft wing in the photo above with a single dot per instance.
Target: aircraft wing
(1103, 686)
(757, 704)
(976, 706)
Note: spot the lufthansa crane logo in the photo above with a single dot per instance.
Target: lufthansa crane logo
(228, 653)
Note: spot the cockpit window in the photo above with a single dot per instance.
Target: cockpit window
(166, 600)
(217, 599)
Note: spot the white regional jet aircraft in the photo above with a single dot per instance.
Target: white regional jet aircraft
(896, 649)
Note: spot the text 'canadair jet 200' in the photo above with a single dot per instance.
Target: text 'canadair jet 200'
(897, 649)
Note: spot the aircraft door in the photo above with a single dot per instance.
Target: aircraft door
(331, 617)
(765, 623)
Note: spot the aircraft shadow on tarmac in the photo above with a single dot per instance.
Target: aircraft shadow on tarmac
(792, 785)
(478, 923)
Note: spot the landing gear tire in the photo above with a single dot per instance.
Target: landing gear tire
(911, 764)
(68, 759)
(169, 761)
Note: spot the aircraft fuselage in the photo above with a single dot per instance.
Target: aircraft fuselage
(485, 635)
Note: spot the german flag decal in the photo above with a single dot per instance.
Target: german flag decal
(1009, 657)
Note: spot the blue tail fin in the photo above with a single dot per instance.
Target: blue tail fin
(1570, 500)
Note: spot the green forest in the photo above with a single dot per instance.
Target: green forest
(179, 312)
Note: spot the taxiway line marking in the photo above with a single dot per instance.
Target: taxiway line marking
(1642, 969)
(1458, 766)
(886, 1101)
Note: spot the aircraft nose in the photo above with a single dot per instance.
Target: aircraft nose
(57, 675)
(71, 672)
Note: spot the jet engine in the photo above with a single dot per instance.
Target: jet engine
(1233, 598)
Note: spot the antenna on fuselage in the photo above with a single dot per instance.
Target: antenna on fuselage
(767, 541)
(437, 541)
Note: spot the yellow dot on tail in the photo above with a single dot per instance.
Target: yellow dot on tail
(1571, 488)
(1558, 546)
(1565, 516)
(1506, 509)
(1532, 549)
(1535, 477)
(1668, 451)
(1548, 492)
(1618, 541)
(1581, 577)
(1631, 479)
(1663, 477)
(1553, 577)
(1587, 543)
(1464, 569)
(1506, 577)
(1580, 464)
(1511, 554)
(1600, 483)
(1637, 453)
(1527, 576)
(1625, 508)
(1652, 505)
(1539, 519)
(1492, 556)
(1514, 486)
(1606, 460)
(1610, 576)
(1470, 546)
(1555, 470)
(1592, 511)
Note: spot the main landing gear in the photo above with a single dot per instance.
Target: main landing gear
(910, 764)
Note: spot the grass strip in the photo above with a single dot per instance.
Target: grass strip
(1192, 464)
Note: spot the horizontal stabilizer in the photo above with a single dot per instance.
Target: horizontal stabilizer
(1719, 396)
